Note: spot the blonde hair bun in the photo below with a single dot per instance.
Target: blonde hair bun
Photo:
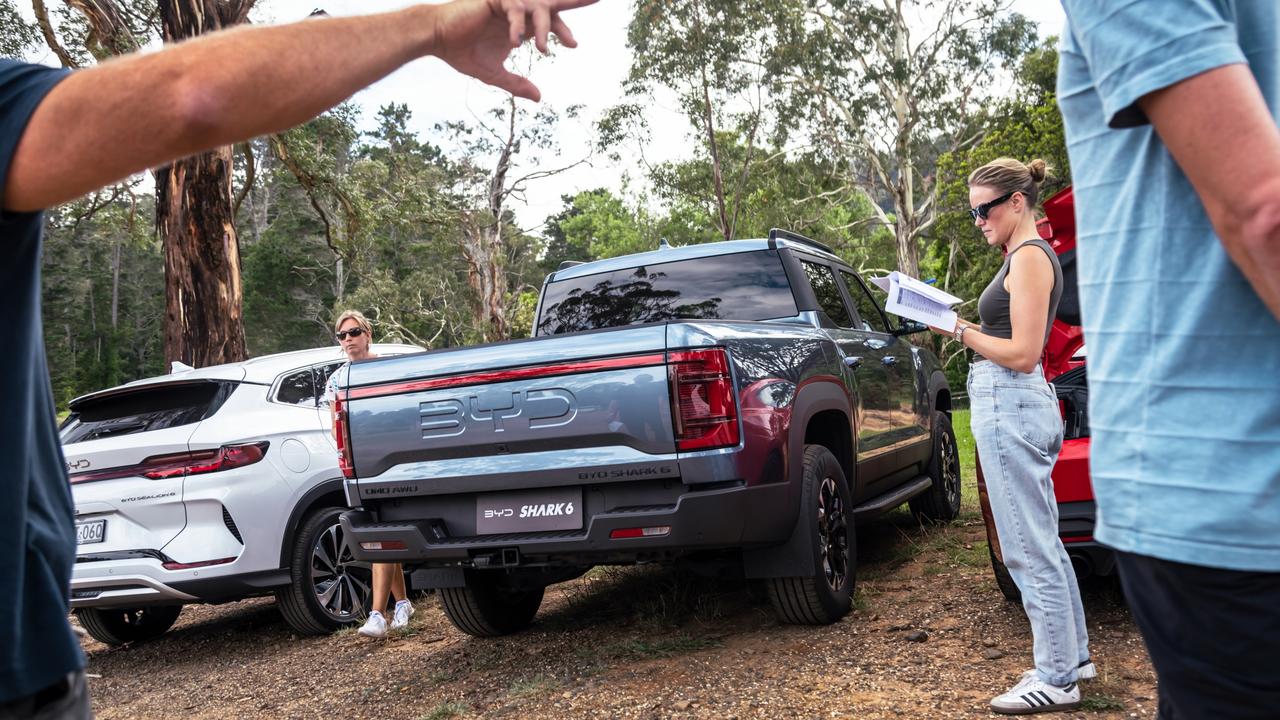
(1038, 169)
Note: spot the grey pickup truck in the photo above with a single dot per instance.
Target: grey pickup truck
(740, 402)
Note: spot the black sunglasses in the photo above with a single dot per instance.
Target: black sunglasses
(984, 209)
(353, 332)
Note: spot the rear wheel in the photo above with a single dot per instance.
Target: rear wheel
(329, 589)
(941, 502)
(117, 626)
(825, 595)
(489, 605)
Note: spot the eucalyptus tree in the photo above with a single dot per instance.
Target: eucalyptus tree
(888, 85)
(715, 56)
(500, 154)
(194, 206)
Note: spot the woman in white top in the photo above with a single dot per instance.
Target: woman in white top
(356, 335)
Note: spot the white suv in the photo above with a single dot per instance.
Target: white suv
(211, 485)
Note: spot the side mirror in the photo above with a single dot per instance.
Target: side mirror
(909, 327)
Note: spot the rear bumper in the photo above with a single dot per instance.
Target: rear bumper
(139, 581)
(723, 518)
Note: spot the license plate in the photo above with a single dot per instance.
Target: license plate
(94, 531)
(529, 511)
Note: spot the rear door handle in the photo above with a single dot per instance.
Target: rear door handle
(853, 361)
(889, 360)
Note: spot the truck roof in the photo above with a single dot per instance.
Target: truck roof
(684, 252)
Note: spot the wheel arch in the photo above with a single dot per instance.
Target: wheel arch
(826, 401)
(940, 393)
(328, 493)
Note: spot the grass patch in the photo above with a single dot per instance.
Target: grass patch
(535, 685)
(648, 649)
(860, 599)
(968, 463)
(445, 710)
(1098, 703)
(440, 677)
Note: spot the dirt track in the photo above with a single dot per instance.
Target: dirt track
(644, 643)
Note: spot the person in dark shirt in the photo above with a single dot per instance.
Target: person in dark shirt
(63, 134)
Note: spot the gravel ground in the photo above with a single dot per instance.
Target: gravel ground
(930, 637)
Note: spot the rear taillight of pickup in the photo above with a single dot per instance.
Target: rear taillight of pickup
(342, 437)
(703, 410)
(199, 462)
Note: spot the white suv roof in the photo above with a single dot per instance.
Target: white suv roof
(262, 369)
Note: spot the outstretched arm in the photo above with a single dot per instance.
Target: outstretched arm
(1218, 129)
(129, 114)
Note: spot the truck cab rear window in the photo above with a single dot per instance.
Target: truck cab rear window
(740, 286)
(147, 408)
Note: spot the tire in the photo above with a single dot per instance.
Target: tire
(117, 626)
(328, 589)
(941, 502)
(825, 595)
(488, 606)
(1004, 580)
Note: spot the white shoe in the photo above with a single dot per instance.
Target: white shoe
(375, 626)
(1033, 695)
(1085, 671)
(400, 618)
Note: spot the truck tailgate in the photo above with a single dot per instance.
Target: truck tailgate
(552, 409)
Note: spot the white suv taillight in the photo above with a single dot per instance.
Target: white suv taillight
(159, 467)
(704, 411)
(342, 436)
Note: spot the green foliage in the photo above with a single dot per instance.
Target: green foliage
(16, 35)
(99, 253)
(1025, 126)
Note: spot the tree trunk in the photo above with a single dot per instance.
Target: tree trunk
(115, 284)
(203, 320)
(482, 245)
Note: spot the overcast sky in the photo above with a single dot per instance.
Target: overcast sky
(590, 75)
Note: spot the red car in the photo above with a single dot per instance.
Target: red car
(1064, 366)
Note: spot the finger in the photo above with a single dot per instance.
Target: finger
(515, 21)
(517, 85)
(562, 31)
(541, 26)
(562, 5)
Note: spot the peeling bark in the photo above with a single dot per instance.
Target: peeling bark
(204, 324)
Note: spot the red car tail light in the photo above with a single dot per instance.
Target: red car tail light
(159, 467)
(342, 436)
(704, 411)
(203, 461)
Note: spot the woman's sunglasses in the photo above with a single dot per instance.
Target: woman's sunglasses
(353, 332)
(984, 209)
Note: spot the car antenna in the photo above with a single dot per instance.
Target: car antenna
(663, 244)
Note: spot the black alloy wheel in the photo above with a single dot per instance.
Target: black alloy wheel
(328, 588)
(342, 585)
(824, 592)
(833, 534)
(941, 502)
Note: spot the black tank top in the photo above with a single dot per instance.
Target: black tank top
(993, 304)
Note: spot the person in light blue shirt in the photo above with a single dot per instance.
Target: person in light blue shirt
(1170, 110)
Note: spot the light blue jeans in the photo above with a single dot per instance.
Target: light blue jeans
(1018, 431)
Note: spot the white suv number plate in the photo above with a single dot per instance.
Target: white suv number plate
(532, 511)
(94, 531)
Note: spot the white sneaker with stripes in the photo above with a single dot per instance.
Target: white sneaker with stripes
(1033, 695)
